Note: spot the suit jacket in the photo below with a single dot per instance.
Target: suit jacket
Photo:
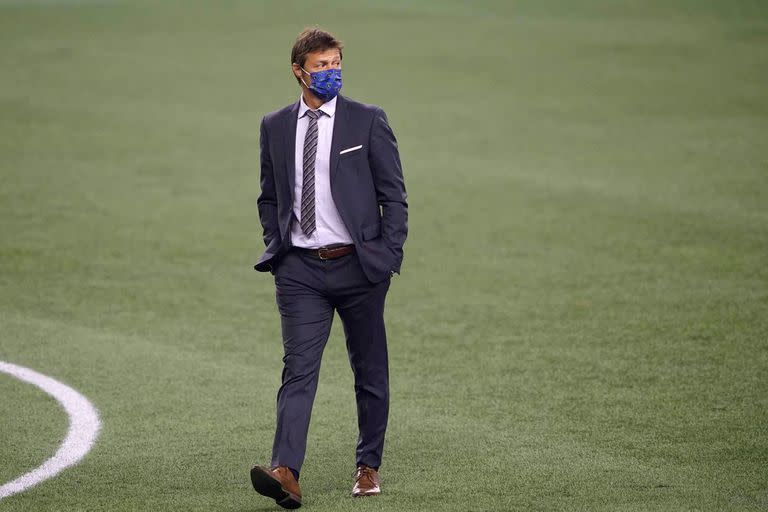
(366, 184)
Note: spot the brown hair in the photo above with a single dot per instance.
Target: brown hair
(313, 39)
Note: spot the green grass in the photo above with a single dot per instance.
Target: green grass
(582, 318)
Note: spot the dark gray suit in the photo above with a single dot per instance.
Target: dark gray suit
(369, 193)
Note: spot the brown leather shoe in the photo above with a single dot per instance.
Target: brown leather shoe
(277, 483)
(366, 482)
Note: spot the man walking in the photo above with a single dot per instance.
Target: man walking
(334, 212)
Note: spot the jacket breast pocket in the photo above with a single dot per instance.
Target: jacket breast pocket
(371, 232)
(352, 151)
(353, 158)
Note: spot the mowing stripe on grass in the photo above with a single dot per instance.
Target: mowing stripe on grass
(84, 427)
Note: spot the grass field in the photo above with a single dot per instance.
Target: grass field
(582, 318)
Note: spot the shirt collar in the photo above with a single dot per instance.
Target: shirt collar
(329, 107)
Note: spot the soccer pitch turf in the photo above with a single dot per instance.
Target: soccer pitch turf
(582, 318)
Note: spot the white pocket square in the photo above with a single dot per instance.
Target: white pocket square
(350, 149)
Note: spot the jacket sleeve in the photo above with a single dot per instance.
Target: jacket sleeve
(267, 201)
(390, 186)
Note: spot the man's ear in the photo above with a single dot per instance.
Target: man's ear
(296, 71)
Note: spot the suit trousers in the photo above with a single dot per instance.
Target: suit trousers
(308, 291)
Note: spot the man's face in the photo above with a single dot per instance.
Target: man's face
(318, 61)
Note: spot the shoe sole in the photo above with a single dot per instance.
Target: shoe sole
(363, 495)
(268, 486)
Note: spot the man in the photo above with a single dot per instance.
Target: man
(334, 212)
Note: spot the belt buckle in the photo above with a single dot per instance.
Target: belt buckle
(321, 252)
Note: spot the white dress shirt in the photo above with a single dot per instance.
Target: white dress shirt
(330, 229)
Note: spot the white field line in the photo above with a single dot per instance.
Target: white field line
(84, 427)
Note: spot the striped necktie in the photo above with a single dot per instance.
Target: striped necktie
(308, 184)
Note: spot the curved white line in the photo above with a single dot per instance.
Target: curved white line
(84, 427)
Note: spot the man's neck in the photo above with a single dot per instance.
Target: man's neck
(311, 100)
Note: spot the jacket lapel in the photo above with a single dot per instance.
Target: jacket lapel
(290, 147)
(340, 125)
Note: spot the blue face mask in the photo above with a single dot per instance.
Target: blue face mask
(326, 84)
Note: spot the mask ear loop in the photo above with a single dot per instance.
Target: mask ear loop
(302, 78)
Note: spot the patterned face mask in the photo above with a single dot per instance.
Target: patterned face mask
(326, 84)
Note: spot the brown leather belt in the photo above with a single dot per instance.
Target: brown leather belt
(329, 253)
